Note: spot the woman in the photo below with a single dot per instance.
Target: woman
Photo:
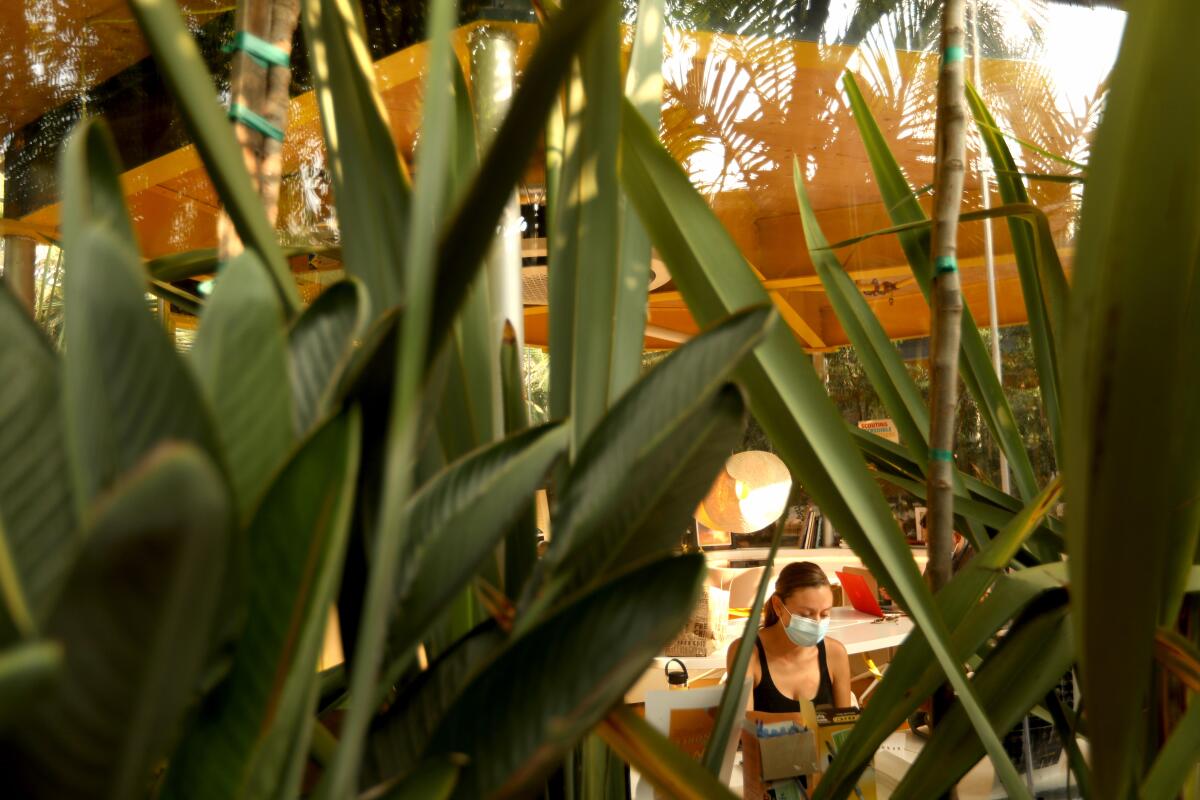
(792, 657)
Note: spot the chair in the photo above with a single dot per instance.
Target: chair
(687, 717)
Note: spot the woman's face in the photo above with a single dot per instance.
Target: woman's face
(815, 602)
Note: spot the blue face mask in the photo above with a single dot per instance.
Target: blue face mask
(806, 632)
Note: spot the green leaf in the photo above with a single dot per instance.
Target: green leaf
(638, 478)
(1043, 282)
(990, 125)
(1131, 425)
(16, 622)
(659, 760)
(370, 183)
(580, 675)
(520, 543)
(321, 344)
(185, 301)
(240, 360)
(975, 365)
(28, 671)
(467, 235)
(135, 621)
(1029, 661)
(204, 261)
(432, 779)
(125, 388)
(590, 186)
(399, 735)
(1177, 759)
(91, 181)
(911, 675)
(36, 503)
(786, 395)
(238, 745)
(644, 88)
(182, 67)
(459, 517)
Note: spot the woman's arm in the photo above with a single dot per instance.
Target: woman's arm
(839, 672)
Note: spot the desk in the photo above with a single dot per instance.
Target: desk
(859, 632)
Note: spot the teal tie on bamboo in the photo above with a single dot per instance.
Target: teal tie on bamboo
(952, 55)
(941, 455)
(944, 264)
(263, 52)
(265, 55)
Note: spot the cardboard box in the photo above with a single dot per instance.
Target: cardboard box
(775, 758)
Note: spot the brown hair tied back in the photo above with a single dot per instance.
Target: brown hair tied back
(793, 577)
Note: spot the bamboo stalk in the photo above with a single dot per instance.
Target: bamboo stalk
(946, 322)
(285, 15)
(947, 309)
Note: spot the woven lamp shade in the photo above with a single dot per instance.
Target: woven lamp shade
(749, 494)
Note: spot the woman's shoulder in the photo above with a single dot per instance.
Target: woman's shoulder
(834, 647)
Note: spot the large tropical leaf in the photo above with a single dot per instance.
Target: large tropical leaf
(1043, 283)
(1131, 425)
(125, 388)
(520, 542)
(182, 66)
(240, 359)
(238, 745)
(659, 760)
(644, 88)
(580, 674)
(459, 517)
(976, 365)
(911, 676)
(28, 671)
(36, 506)
(1177, 759)
(787, 397)
(91, 183)
(1030, 661)
(135, 622)
(632, 483)
(370, 182)
(399, 735)
(321, 343)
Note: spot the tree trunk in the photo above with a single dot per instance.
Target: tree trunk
(263, 90)
(20, 257)
(946, 326)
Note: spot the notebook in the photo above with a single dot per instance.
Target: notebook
(861, 595)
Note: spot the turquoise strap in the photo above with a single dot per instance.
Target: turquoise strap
(944, 264)
(952, 55)
(239, 113)
(941, 455)
(262, 51)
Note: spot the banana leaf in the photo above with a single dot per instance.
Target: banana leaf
(1043, 282)
(370, 182)
(570, 656)
(37, 509)
(786, 395)
(28, 671)
(241, 363)
(135, 621)
(321, 344)
(638, 478)
(1130, 377)
(975, 364)
(181, 65)
(237, 746)
(1029, 661)
(911, 677)
(658, 760)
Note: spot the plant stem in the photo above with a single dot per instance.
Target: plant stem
(946, 324)
(947, 300)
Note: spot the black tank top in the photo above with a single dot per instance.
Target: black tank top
(767, 696)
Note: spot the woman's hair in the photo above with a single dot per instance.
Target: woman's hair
(793, 577)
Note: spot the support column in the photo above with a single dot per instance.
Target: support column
(20, 258)
(494, 74)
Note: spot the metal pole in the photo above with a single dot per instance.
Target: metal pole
(989, 257)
